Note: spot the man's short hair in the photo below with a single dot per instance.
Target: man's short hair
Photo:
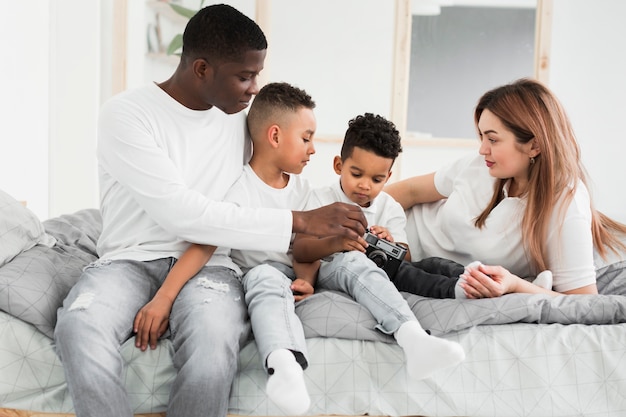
(220, 33)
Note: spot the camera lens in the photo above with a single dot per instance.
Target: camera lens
(379, 257)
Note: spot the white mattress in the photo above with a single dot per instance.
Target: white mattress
(511, 370)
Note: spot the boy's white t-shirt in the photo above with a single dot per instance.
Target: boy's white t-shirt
(446, 228)
(164, 170)
(383, 210)
(251, 191)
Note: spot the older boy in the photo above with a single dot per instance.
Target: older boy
(282, 125)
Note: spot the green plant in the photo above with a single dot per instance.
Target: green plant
(176, 44)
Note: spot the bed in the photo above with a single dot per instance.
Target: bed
(527, 355)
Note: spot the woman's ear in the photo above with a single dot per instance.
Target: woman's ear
(534, 149)
(337, 165)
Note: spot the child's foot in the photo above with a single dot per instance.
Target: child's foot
(544, 280)
(426, 354)
(285, 385)
(459, 292)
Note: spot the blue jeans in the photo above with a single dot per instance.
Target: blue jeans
(271, 307)
(208, 322)
(354, 274)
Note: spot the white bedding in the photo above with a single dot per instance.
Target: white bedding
(527, 355)
(511, 370)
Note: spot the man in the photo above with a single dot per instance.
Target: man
(167, 155)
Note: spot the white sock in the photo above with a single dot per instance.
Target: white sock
(544, 280)
(459, 292)
(426, 354)
(285, 385)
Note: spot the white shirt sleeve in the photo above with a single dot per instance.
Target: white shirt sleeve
(130, 158)
(570, 247)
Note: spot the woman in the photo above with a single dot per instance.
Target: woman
(522, 204)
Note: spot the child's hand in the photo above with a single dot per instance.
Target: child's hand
(152, 321)
(301, 289)
(381, 233)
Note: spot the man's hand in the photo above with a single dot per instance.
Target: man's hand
(337, 219)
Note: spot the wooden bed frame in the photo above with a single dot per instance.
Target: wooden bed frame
(9, 412)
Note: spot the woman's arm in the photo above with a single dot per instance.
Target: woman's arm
(152, 320)
(488, 281)
(414, 190)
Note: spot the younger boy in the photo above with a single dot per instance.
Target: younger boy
(370, 147)
(281, 123)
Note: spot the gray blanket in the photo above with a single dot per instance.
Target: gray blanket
(335, 315)
(33, 286)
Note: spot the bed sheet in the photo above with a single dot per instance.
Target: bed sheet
(511, 370)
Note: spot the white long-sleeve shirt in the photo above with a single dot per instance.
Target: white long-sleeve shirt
(164, 170)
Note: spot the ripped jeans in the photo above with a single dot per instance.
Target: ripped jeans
(208, 323)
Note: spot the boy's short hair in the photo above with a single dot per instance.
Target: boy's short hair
(221, 33)
(274, 99)
(372, 133)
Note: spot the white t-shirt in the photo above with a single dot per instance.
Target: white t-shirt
(446, 228)
(383, 211)
(164, 170)
(251, 191)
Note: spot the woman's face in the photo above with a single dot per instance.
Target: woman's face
(504, 156)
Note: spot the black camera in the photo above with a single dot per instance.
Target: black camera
(385, 254)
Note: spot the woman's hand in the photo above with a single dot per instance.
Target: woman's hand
(485, 281)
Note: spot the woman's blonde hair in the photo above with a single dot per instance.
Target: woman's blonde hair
(531, 111)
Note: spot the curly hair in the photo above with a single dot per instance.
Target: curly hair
(220, 32)
(372, 133)
(274, 99)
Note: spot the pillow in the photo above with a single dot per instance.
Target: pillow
(20, 229)
(35, 283)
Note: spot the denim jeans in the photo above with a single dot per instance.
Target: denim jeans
(431, 277)
(271, 307)
(356, 275)
(208, 322)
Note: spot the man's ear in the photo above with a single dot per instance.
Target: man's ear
(202, 69)
(337, 164)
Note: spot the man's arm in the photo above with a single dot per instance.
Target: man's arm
(309, 248)
(152, 320)
(337, 219)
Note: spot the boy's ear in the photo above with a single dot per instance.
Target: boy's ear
(273, 135)
(337, 164)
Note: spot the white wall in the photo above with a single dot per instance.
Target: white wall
(588, 73)
(51, 74)
(24, 120)
(59, 72)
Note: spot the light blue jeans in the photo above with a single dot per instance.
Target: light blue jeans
(353, 273)
(271, 307)
(208, 322)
